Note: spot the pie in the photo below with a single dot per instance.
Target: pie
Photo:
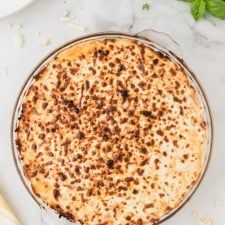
(112, 132)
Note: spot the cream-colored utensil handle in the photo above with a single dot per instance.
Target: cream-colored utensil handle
(6, 215)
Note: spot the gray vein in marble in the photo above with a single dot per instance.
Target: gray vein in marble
(133, 16)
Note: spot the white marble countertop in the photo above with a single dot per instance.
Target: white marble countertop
(203, 45)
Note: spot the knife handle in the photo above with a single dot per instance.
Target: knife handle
(7, 216)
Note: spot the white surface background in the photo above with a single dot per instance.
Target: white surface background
(203, 45)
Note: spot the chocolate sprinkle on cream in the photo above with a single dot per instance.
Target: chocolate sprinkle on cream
(112, 132)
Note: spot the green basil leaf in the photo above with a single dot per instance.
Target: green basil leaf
(216, 8)
(198, 9)
(146, 6)
(186, 0)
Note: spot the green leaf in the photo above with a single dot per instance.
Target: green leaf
(198, 9)
(185, 0)
(216, 8)
(146, 6)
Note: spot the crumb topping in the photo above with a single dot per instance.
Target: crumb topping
(111, 133)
